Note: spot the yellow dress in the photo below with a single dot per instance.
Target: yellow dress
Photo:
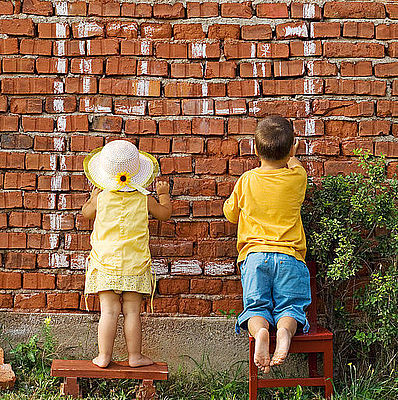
(120, 259)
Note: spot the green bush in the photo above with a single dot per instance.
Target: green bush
(352, 232)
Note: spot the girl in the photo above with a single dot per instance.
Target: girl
(119, 264)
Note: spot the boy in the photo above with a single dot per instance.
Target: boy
(266, 204)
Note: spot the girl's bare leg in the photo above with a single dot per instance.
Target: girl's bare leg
(258, 328)
(110, 310)
(132, 328)
(286, 328)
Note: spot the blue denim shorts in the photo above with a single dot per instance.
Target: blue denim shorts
(275, 285)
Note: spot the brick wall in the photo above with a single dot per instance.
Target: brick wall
(186, 81)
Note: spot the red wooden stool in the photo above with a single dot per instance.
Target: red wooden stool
(317, 340)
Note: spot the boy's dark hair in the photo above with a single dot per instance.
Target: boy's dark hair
(274, 137)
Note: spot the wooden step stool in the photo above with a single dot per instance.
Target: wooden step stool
(70, 370)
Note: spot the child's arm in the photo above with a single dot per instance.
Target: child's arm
(161, 210)
(294, 161)
(89, 209)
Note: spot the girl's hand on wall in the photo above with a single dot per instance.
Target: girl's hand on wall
(162, 187)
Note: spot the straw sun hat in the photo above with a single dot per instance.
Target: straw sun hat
(120, 166)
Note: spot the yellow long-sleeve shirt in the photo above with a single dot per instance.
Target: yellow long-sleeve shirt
(266, 205)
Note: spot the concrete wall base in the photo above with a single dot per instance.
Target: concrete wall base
(175, 340)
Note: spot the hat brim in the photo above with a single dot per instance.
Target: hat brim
(149, 170)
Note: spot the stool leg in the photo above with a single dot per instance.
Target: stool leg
(328, 369)
(312, 365)
(146, 391)
(70, 387)
(253, 371)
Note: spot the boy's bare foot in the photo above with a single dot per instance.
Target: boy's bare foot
(139, 360)
(283, 339)
(261, 351)
(101, 361)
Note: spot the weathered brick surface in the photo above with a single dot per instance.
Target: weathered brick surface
(186, 81)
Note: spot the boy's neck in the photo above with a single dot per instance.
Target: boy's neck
(272, 164)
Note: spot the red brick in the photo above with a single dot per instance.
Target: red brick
(102, 47)
(202, 10)
(164, 305)
(78, 8)
(171, 50)
(292, 30)
(169, 11)
(359, 29)
(392, 170)
(180, 208)
(207, 126)
(107, 124)
(210, 166)
(386, 69)
(273, 10)
(17, 27)
(186, 70)
(246, 147)
(223, 31)
(37, 7)
(206, 286)
(255, 69)
(38, 281)
(39, 200)
(374, 128)
(288, 68)
(74, 48)
(188, 145)
(30, 301)
(152, 68)
(194, 187)
(6, 8)
(52, 66)
(232, 287)
(355, 87)
(227, 305)
(167, 248)
(8, 46)
(292, 87)
(13, 160)
(244, 126)
(10, 280)
(325, 29)
(130, 106)
(174, 127)
(95, 104)
(63, 301)
(188, 31)
(140, 127)
(194, 306)
(26, 106)
(243, 89)
(12, 240)
(58, 30)
(341, 128)
(127, 30)
(155, 145)
(61, 104)
(256, 32)
(164, 107)
(170, 165)
(205, 208)
(173, 286)
(272, 50)
(187, 89)
(392, 11)
(87, 66)
(37, 124)
(17, 180)
(192, 230)
(6, 300)
(40, 162)
(222, 229)
(200, 50)
(230, 107)
(87, 29)
(349, 145)
(86, 84)
(225, 69)
(238, 166)
(390, 149)
(393, 50)
(236, 10)
(353, 50)
(327, 147)
(306, 11)
(140, 10)
(32, 85)
(20, 260)
(351, 9)
(72, 123)
(234, 49)
(18, 65)
(8, 123)
(305, 49)
(359, 68)
(288, 108)
(129, 87)
(309, 127)
(210, 249)
(104, 9)
(55, 182)
(197, 107)
(224, 189)
(136, 48)
(321, 68)
(156, 31)
(70, 282)
(343, 107)
(35, 46)
(72, 201)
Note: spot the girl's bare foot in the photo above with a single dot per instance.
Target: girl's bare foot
(261, 351)
(102, 361)
(139, 360)
(283, 339)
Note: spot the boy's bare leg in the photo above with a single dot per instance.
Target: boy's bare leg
(258, 328)
(132, 328)
(110, 310)
(286, 328)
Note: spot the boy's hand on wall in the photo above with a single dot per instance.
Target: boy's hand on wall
(295, 147)
(162, 187)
